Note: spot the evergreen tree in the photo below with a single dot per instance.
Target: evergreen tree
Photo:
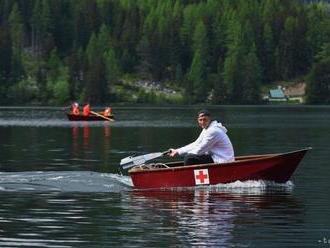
(232, 77)
(86, 21)
(206, 47)
(251, 80)
(174, 47)
(198, 70)
(318, 26)
(111, 68)
(109, 58)
(36, 27)
(196, 79)
(95, 89)
(62, 27)
(242, 71)
(76, 63)
(145, 54)
(57, 80)
(5, 63)
(218, 44)
(318, 87)
(61, 87)
(318, 82)
(5, 9)
(179, 74)
(16, 34)
(43, 25)
(127, 28)
(268, 58)
(47, 28)
(190, 20)
(287, 48)
(232, 65)
(16, 30)
(219, 88)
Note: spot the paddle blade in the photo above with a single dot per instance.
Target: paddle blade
(130, 161)
(102, 116)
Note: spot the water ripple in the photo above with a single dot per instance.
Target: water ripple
(80, 181)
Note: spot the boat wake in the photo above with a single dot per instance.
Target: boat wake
(259, 187)
(254, 187)
(86, 181)
(65, 181)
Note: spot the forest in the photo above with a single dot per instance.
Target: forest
(212, 51)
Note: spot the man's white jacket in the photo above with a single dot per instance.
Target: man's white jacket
(214, 141)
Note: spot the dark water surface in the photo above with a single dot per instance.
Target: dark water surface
(60, 185)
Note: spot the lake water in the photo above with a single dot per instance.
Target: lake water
(60, 185)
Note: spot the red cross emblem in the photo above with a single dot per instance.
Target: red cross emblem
(202, 176)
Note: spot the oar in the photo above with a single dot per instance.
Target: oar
(130, 161)
(102, 116)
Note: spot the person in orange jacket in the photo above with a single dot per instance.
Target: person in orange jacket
(86, 110)
(108, 112)
(75, 108)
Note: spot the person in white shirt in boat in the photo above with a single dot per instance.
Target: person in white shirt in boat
(75, 108)
(212, 146)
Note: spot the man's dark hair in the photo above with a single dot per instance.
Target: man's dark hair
(203, 112)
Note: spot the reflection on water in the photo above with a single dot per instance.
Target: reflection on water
(32, 148)
(210, 217)
(85, 137)
(44, 217)
(200, 217)
(85, 133)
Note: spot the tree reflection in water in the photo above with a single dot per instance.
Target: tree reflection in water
(214, 216)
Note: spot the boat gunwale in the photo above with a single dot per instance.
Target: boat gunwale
(137, 169)
(92, 117)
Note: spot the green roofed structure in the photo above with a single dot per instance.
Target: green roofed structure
(277, 95)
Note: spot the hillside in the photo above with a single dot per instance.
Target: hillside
(215, 51)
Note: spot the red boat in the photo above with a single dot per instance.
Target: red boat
(269, 167)
(91, 117)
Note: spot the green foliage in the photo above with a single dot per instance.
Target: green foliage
(23, 92)
(111, 67)
(251, 79)
(268, 60)
(198, 70)
(219, 51)
(324, 53)
(145, 53)
(57, 80)
(61, 87)
(219, 93)
(318, 26)
(16, 35)
(319, 79)
(129, 93)
(16, 29)
(95, 90)
(5, 63)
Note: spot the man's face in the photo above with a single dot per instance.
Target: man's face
(203, 121)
